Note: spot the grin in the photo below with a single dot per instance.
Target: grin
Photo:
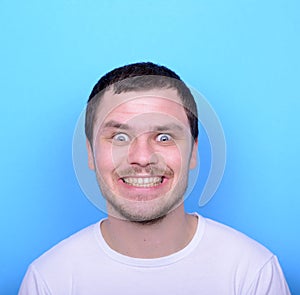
(143, 181)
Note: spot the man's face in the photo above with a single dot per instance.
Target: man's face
(142, 152)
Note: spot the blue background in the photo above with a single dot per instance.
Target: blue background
(242, 55)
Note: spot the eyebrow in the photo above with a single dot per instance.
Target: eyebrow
(167, 127)
(116, 125)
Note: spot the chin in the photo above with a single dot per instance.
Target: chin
(145, 214)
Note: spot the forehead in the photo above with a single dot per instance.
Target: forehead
(158, 106)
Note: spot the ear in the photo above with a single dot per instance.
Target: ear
(193, 161)
(91, 162)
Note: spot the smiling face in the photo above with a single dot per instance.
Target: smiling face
(142, 152)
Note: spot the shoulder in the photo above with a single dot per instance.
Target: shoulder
(69, 250)
(54, 271)
(231, 235)
(234, 257)
(233, 245)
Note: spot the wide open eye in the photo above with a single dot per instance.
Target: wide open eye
(121, 137)
(164, 137)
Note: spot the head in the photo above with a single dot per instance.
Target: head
(142, 129)
(136, 77)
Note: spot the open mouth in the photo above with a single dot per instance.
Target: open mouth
(143, 181)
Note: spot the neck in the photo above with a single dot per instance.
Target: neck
(156, 239)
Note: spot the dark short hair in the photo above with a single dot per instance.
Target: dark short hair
(140, 76)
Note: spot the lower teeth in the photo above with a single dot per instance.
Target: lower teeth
(143, 185)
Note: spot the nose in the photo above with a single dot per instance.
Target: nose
(141, 152)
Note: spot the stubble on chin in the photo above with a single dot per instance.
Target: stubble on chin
(142, 212)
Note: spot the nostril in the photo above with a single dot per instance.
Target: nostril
(141, 153)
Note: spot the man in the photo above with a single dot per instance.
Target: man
(142, 139)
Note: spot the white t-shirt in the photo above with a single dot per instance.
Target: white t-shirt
(219, 260)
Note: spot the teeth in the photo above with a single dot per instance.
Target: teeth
(143, 181)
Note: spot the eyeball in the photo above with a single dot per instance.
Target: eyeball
(163, 137)
(121, 137)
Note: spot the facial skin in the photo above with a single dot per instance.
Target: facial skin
(142, 152)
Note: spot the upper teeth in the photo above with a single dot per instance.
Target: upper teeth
(143, 181)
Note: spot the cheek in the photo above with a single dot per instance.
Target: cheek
(103, 158)
(172, 158)
(178, 158)
(109, 157)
